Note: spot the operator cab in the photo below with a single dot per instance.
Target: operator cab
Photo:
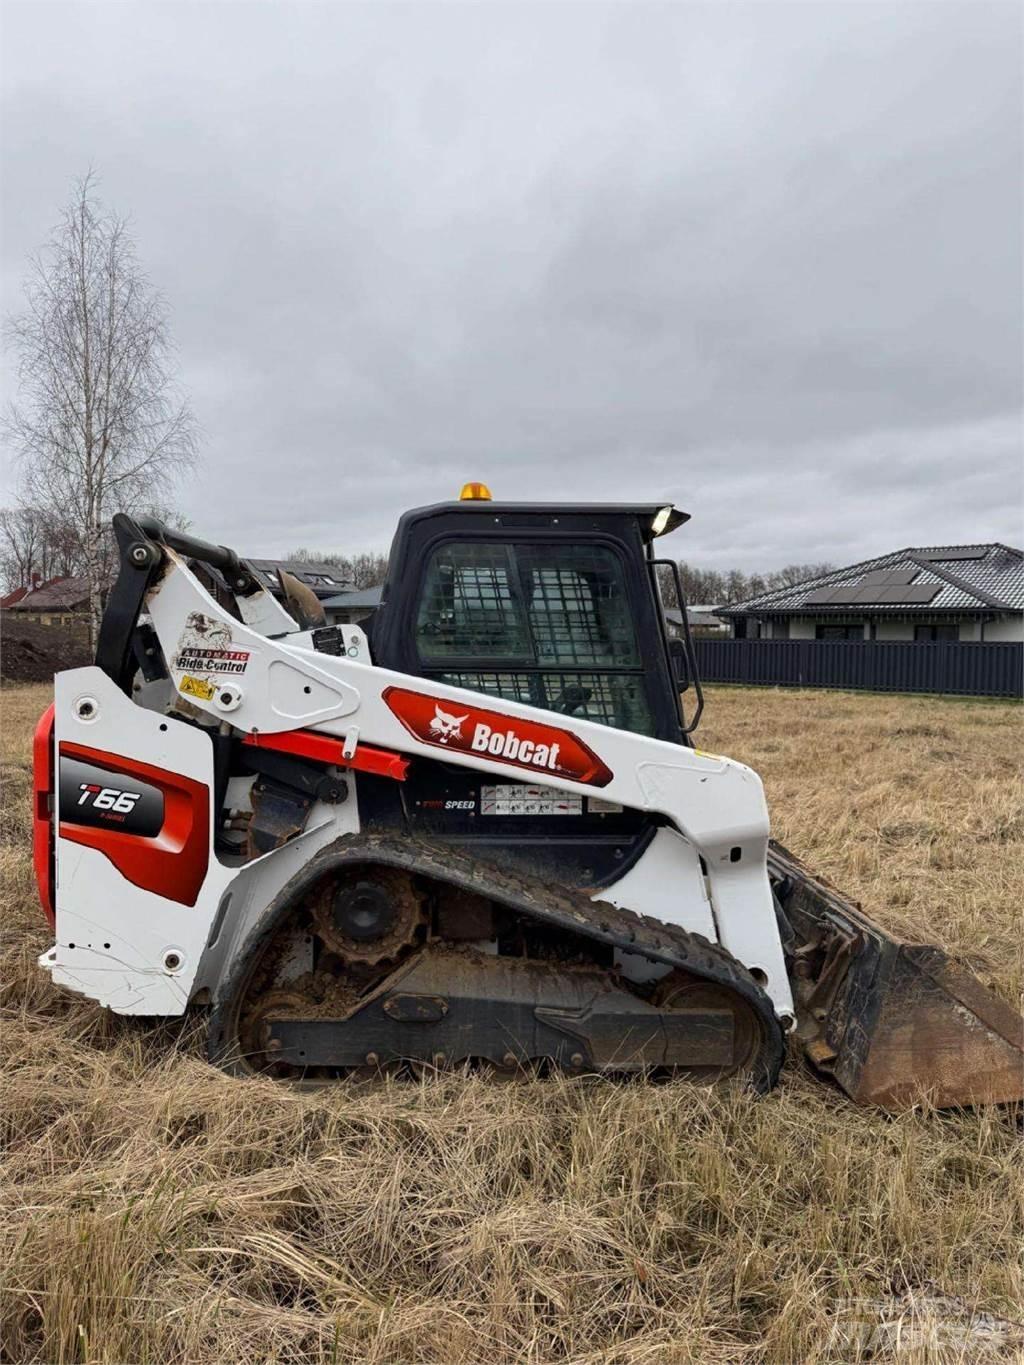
(551, 605)
(555, 606)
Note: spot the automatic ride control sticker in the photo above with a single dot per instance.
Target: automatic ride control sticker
(205, 656)
(206, 647)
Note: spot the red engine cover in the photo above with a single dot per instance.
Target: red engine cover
(525, 744)
(173, 858)
(42, 818)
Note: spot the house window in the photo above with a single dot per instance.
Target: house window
(948, 631)
(839, 631)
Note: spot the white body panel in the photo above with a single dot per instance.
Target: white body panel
(715, 805)
(666, 882)
(112, 947)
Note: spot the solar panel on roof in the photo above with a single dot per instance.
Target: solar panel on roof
(848, 592)
(963, 552)
(859, 594)
(914, 594)
(890, 576)
(821, 597)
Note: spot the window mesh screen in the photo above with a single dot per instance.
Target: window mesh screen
(469, 609)
(544, 624)
(577, 606)
(615, 699)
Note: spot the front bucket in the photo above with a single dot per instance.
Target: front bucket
(893, 1023)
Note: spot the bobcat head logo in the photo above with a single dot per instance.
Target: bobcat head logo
(444, 726)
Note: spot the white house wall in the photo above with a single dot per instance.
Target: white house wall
(1004, 628)
(1007, 628)
(894, 630)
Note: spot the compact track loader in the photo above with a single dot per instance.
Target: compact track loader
(475, 832)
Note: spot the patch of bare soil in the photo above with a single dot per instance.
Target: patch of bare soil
(33, 652)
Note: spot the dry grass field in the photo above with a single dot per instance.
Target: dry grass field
(157, 1211)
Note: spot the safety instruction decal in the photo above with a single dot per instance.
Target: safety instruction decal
(196, 687)
(516, 798)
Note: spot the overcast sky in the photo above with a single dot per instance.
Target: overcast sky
(764, 260)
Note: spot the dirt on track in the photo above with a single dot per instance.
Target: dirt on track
(156, 1210)
(31, 651)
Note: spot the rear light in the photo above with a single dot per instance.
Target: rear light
(42, 812)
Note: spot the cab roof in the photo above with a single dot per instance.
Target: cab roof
(644, 512)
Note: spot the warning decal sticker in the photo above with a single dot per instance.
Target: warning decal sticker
(516, 798)
(197, 687)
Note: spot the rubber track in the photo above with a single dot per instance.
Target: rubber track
(570, 910)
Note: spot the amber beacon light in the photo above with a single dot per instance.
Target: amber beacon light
(475, 492)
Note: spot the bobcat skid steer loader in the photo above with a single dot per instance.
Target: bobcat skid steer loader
(477, 832)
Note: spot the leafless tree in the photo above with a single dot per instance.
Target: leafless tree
(99, 426)
(366, 569)
(21, 545)
(34, 543)
(799, 573)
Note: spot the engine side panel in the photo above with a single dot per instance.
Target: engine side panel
(135, 911)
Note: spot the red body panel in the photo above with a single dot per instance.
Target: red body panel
(174, 862)
(526, 744)
(42, 814)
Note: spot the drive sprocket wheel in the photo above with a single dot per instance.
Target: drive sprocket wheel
(369, 915)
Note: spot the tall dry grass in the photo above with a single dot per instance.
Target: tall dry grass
(157, 1211)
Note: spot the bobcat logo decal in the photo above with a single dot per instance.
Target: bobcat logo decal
(519, 740)
(444, 726)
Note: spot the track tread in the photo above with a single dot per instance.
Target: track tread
(570, 910)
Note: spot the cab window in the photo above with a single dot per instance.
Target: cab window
(547, 624)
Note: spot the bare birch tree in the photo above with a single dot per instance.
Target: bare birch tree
(22, 540)
(100, 426)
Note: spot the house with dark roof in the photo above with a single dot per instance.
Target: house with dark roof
(326, 580)
(53, 602)
(349, 608)
(703, 619)
(937, 592)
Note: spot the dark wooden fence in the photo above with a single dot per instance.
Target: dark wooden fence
(970, 670)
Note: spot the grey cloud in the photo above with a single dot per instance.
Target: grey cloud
(763, 259)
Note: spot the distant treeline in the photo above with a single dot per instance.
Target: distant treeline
(40, 543)
(718, 587)
(714, 586)
(364, 570)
